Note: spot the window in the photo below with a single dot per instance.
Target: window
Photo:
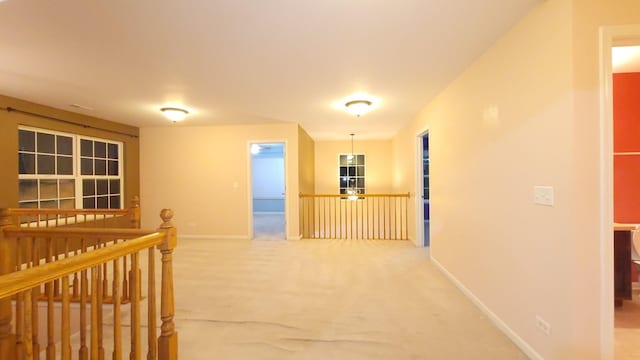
(54, 174)
(352, 173)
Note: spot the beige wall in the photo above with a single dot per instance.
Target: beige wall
(377, 168)
(306, 166)
(306, 161)
(9, 122)
(202, 173)
(519, 259)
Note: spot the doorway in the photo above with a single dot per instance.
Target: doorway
(613, 36)
(423, 208)
(268, 190)
(625, 80)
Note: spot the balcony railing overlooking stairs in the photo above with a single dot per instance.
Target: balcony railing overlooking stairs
(41, 263)
(361, 216)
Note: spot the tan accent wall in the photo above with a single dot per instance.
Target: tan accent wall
(9, 122)
(306, 161)
(525, 113)
(378, 164)
(202, 173)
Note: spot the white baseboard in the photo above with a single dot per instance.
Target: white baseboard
(523, 345)
(298, 237)
(212, 237)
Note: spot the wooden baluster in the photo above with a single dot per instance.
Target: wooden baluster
(7, 265)
(28, 323)
(384, 217)
(168, 340)
(34, 301)
(83, 352)
(125, 281)
(105, 279)
(65, 327)
(75, 285)
(51, 344)
(134, 213)
(368, 218)
(351, 219)
(136, 343)
(19, 307)
(99, 301)
(117, 321)
(406, 212)
(151, 311)
(95, 355)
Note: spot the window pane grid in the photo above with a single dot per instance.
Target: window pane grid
(53, 175)
(351, 173)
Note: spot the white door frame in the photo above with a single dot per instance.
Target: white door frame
(419, 203)
(610, 36)
(250, 184)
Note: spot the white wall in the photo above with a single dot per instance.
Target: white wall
(268, 177)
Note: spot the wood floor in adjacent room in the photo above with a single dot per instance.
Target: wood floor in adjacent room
(324, 299)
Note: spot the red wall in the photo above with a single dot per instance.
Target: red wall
(626, 138)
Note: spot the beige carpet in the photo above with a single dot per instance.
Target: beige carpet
(324, 299)
(268, 226)
(627, 331)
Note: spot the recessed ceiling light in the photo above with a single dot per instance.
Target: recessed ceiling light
(174, 113)
(358, 107)
(357, 104)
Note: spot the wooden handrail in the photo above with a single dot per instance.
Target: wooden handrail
(403, 195)
(24, 211)
(16, 282)
(103, 233)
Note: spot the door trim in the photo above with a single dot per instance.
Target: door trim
(610, 36)
(419, 190)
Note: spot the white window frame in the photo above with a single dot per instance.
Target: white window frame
(76, 176)
(364, 177)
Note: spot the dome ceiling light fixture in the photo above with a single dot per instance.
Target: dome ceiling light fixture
(358, 107)
(174, 114)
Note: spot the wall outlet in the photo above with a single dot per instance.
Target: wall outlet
(543, 325)
(543, 195)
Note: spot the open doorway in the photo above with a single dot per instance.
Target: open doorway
(625, 80)
(268, 190)
(423, 213)
(614, 340)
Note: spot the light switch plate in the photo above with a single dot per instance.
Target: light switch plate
(543, 195)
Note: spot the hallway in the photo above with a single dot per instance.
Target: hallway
(324, 299)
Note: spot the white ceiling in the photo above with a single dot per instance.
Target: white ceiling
(241, 61)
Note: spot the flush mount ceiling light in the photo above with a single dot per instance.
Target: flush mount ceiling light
(358, 107)
(174, 113)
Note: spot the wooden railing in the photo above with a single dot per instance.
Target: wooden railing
(53, 248)
(103, 218)
(365, 216)
(23, 275)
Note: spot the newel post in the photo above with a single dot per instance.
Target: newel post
(134, 212)
(7, 265)
(168, 340)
